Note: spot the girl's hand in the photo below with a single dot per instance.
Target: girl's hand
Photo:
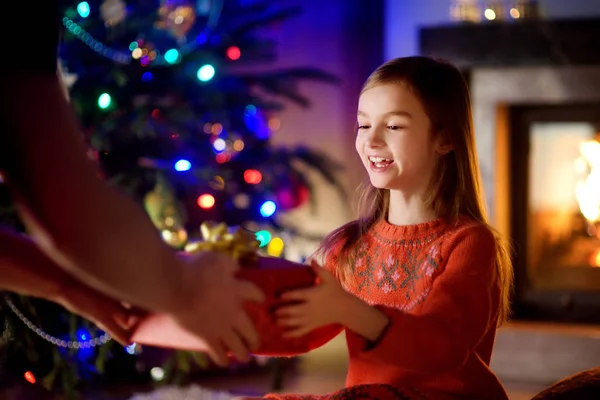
(314, 307)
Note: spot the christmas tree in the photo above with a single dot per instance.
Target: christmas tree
(172, 117)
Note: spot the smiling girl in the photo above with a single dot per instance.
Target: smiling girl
(420, 281)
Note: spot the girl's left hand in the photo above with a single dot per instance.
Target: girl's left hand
(323, 304)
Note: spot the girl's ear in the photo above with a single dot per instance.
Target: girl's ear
(444, 149)
(442, 143)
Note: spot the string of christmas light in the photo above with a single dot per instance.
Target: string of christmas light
(96, 45)
(67, 344)
(135, 51)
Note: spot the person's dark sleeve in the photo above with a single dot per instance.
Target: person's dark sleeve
(30, 35)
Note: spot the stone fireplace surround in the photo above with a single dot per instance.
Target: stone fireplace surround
(525, 63)
(493, 91)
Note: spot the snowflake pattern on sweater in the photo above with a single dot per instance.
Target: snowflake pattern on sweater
(401, 281)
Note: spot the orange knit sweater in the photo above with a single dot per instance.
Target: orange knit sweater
(438, 284)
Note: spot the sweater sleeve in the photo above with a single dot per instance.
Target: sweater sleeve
(461, 307)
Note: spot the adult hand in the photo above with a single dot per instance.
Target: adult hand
(215, 310)
(108, 314)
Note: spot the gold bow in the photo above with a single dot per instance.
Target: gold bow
(241, 244)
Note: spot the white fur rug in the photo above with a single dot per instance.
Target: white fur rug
(193, 392)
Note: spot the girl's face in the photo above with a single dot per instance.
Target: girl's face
(394, 139)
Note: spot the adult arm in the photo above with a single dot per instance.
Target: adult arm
(88, 228)
(24, 269)
(83, 224)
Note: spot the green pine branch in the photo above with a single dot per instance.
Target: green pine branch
(283, 82)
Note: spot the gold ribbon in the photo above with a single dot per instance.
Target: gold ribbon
(239, 243)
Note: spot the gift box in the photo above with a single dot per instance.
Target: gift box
(272, 275)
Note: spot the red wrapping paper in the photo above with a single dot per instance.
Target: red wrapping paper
(274, 276)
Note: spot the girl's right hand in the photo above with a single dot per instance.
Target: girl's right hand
(215, 310)
(310, 308)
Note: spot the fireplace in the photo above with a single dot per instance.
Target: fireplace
(536, 111)
(537, 136)
(554, 203)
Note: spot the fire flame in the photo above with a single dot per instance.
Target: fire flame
(588, 189)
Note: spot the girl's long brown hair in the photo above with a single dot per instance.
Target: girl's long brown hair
(456, 189)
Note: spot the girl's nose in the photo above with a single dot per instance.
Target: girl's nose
(375, 138)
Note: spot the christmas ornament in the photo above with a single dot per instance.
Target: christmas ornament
(176, 238)
(292, 197)
(177, 17)
(113, 12)
(164, 211)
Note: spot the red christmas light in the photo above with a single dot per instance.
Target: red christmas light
(234, 53)
(206, 201)
(221, 158)
(252, 176)
(29, 377)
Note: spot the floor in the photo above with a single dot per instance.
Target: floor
(323, 371)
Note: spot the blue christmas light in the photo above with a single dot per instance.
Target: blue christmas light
(84, 353)
(147, 76)
(206, 73)
(268, 208)
(256, 122)
(83, 9)
(250, 110)
(264, 237)
(183, 165)
(201, 38)
(130, 349)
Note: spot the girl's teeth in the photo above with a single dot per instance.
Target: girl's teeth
(379, 159)
(380, 162)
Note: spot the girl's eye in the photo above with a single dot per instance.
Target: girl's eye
(394, 127)
(363, 127)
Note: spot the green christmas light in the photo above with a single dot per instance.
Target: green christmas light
(172, 56)
(104, 101)
(264, 237)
